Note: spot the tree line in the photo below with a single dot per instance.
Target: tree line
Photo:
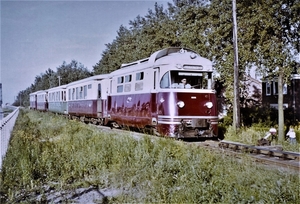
(268, 39)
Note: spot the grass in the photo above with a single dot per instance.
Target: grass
(50, 152)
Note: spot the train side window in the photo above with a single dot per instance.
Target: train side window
(120, 80)
(120, 89)
(85, 91)
(139, 76)
(110, 87)
(165, 81)
(127, 88)
(77, 93)
(73, 94)
(89, 86)
(81, 92)
(99, 90)
(154, 80)
(207, 80)
(69, 97)
(128, 78)
(139, 86)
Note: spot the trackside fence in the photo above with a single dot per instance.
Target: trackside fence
(7, 125)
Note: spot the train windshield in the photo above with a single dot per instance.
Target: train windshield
(186, 80)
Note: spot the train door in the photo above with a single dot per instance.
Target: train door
(154, 101)
(35, 102)
(99, 101)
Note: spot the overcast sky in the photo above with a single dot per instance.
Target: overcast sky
(37, 35)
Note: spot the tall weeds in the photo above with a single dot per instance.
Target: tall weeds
(50, 152)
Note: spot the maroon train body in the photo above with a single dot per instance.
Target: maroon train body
(169, 93)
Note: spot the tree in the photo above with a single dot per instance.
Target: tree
(274, 33)
(145, 36)
(70, 72)
(67, 72)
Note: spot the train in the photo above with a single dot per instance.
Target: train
(169, 94)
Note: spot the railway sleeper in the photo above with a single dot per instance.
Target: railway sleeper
(271, 151)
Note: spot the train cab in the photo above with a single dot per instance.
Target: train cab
(186, 101)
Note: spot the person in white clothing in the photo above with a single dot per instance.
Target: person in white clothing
(184, 84)
(292, 136)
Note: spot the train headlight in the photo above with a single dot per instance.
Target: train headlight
(209, 104)
(180, 104)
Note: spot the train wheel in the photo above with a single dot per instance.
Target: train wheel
(154, 131)
(94, 121)
(101, 121)
(114, 125)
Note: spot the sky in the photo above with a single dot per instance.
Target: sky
(37, 35)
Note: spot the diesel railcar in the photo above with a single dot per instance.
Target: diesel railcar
(169, 93)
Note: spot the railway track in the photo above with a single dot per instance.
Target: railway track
(267, 155)
(273, 155)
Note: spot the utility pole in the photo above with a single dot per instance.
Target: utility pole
(236, 102)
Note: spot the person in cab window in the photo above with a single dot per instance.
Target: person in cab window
(184, 84)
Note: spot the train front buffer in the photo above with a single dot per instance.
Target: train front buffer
(187, 115)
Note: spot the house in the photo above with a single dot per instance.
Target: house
(291, 96)
(253, 92)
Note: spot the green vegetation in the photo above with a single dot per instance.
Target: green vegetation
(251, 135)
(49, 151)
(261, 122)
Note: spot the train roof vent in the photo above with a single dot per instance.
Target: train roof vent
(135, 63)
